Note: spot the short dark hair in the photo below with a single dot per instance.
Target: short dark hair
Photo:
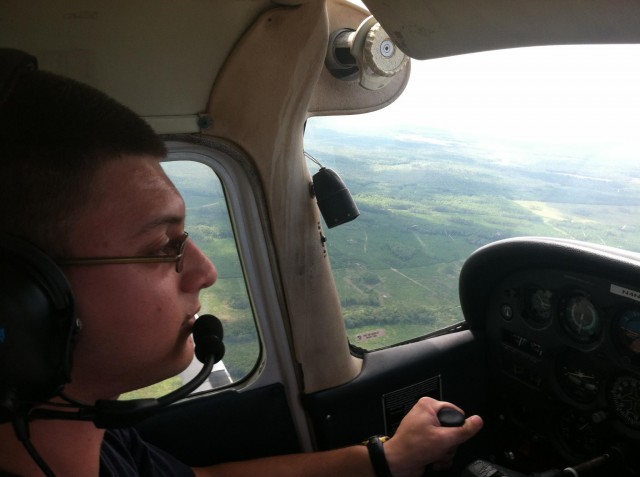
(55, 134)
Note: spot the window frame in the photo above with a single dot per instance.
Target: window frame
(250, 225)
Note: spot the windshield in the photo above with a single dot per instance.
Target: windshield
(482, 147)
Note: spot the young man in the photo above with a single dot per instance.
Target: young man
(81, 177)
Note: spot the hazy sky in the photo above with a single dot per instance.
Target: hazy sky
(550, 91)
(560, 93)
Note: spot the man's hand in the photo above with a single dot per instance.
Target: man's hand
(421, 440)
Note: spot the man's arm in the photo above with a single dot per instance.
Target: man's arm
(418, 442)
(349, 461)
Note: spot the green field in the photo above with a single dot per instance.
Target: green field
(427, 205)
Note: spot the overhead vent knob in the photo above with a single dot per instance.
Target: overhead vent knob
(367, 54)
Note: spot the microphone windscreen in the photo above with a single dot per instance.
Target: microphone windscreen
(207, 336)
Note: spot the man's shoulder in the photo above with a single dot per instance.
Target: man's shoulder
(125, 453)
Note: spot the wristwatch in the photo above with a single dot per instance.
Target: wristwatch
(376, 454)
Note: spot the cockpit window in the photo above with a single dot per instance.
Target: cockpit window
(536, 141)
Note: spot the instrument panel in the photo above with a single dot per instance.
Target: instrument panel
(566, 348)
(561, 321)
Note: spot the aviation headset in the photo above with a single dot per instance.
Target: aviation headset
(37, 319)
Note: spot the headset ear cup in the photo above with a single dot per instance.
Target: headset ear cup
(37, 325)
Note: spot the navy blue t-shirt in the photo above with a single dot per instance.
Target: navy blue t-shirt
(125, 454)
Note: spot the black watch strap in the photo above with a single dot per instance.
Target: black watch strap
(378, 459)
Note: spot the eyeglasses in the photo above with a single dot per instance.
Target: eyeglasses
(178, 245)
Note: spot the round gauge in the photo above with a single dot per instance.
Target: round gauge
(625, 397)
(579, 378)
(628, 331)
(580, 318)
(578, 433)
(538, 307)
